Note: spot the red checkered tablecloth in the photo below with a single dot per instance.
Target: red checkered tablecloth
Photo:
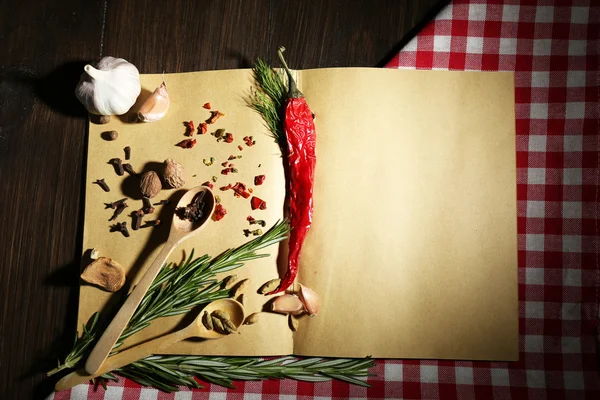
(553, 47)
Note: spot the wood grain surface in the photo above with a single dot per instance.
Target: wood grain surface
(43, 47)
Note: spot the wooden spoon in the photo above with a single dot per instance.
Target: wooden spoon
(195, 329)
(180, 230)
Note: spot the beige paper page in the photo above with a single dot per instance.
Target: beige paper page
(153, 143)
(413, 249)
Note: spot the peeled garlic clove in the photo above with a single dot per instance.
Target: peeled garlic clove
(287, 304)
(156, 106)
(309, 299)
(109, 89)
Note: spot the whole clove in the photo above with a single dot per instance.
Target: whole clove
(147, 208)
(162, 203)
(114, 204)
(118, 164)
(120, 227)
(149, 224)
(129, 169)
(137, 217)
(193, 211)
(118, 210)
(102, 184)
(127, 151)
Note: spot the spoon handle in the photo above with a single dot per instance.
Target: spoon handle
(120, 321)
(126, 357)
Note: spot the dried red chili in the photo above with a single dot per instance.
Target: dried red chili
(187, 143)
(240, 147)
(240, 189)
(202, 128)
(229, 138)
(220, 212)
(214, 116)
(257, 203)
(259, 179)
(191, 128)
(249, 140)
(299, 129)
(206, 105)
(229, 170)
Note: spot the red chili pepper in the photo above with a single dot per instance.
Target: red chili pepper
(255, 203)
(203, 128)
(191, 128)
(259, 179)
(299, 129)
(206, 105)
(187, 143)
(220, 212)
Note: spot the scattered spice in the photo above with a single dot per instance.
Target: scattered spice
(114, 204)
(249, 140)
(214, 116)
(173, 174)
(232, 157)
(213, 178)
(111, 135)
(228, 170)
(257, 203)
(118, 164)
(208, 184)
(136, 221)
(208, 162)
(206, 105)
(120, 227)
(207, 321)
(240, 190)
(162, 203)
(202, 128)
(220, 212)
(190, 128)
(250, 190)
(229, 138)
(118, 210)
(102, 184)
(259, 179)
(148, 224)
(150, 184)
(256, 232)
(193, 211)
(240, 147)
(187, 143)
(217, 198)
(253, 221)
(129, 169)
(127, 151)
(105, 273)
(224, 163)
(229, 281)
(219, 134)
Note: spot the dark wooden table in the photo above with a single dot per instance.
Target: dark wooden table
(43, 47)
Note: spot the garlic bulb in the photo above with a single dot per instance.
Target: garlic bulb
(156, 106)
(111, 88)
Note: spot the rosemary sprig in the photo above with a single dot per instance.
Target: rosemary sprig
(176, 290)
(168, 372)
(268, 99)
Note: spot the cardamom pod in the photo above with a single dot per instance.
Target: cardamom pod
(269, 286)
(252, 319)
(229, 281)
(217, 325)
(240, 287)
(207, 321)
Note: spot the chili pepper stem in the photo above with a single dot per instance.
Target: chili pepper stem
(293, 88)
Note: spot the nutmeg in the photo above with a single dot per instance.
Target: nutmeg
(150, 184)
(174, 175)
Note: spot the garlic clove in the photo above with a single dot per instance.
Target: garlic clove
(287, 304)
(309, 299)
(156, 106)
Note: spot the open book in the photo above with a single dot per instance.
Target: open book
(413, 247)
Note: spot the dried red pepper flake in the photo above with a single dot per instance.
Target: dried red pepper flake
(224, 163)
(190, 128)
(259, 179)
(208, 184)
(240, 189)
(228, 170)
(257, 203)
(240, 147)
(202, 128)
(250, 190)
(250, 218)
(224, 188)
(229, 138)
(187, 143)
(249, 140)
(220, 212)
(206, 105)
(214, 116)
(231, 165)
